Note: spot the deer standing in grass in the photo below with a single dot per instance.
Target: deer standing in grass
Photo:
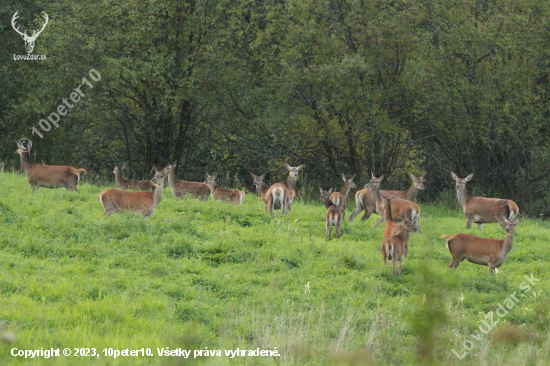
(224, 194)
(334, 218)
(278, 195)
(325, 197)
(400, 208)
(483, 210)
(339, 198)
(261, 188)
(117, 200)
(139, 185)
(291, 197)
(47, 176)
(396, 237)
(364, 201)
(181, 187)
(483, 251)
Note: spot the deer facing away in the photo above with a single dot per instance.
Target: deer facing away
(483, 251)
(47, 176)
(181, 187)
(224, 194)
(483, 210)
(339, 198)
(334, 218)
(117, 200)
(139, 185)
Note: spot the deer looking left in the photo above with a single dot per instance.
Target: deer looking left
(47, 176)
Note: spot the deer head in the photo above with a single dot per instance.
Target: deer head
(257, 179)
(418, 181)
(461, 183)
(29, 40)
(374, 182)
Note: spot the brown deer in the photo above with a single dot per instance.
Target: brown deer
(484, 251)
(181, 187)
(47, 176)
(400, 208)
(365, 202)
(483, 210)
(224, 194)
(278, 195)
(261, 187)
(138, 185)
(339, 198)
(396, 237)
(325, 197)
(333, 218)
(117, 200)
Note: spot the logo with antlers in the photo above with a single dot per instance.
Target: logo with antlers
(29, 40)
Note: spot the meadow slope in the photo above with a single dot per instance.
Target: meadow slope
(211, 274)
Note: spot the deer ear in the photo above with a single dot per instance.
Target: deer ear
(321, 190)
(215, 176)
(253, 175)
(353, 177)
(422, 176)
(468, 178)
(371, 172)
(262, 176)
(156, 170)
(330, 190)
(454, 176)
(381, 178)
(519, 220)
(288, 166)
(411, 175)
(175, 163)
(300, 167)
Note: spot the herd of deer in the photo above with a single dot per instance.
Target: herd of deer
(391, 206)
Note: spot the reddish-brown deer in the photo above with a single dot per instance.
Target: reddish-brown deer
(325, 197)
(181, 187)
(278, 195)
(340, 198)
(483, 210)
(261, 188)
(483, 251)
(334, 218)
(400, 208)
(138, 185)
(224, 194)
(364, 201)
(396, 237)
(145, 203)
(47, 176)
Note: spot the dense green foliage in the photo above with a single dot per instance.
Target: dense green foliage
(344, 86)
(211, 274)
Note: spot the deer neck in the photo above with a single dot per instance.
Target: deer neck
(25, 161)
(262, 189)
(213, 186)
(345, 190)
(375, 195)
(290, 182)
(172, 177)
(411, 192)
(462, 197)
(157, 194)
(387, 212)
(508, 242)
(118, 177)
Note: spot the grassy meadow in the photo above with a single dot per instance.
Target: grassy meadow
(211, 274)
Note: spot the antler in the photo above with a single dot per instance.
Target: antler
(24, 35)
(35, 33)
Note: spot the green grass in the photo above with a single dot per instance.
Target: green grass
(211, 274)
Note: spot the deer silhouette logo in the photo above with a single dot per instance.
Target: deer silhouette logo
(29, 40)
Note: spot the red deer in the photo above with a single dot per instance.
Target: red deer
(261, 187)
(224, 194)
(116, 200)
(339, 198)
(365, 202)
(484, 251)
(138, 185)
(400, 208)
(333, 218)
(47, 176)
(396, 237)
(278, 195)
(483, 210)
(181, 187)
(325, 197)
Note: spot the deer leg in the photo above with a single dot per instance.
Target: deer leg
(480, 226)
(406, 250)
(492, 267)
(393, 264)
(469, 222)
(329, 230)
(338, 227)
(358, 209)
(399, 264)
(271, 211)
(367, 214)
(380, 219)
